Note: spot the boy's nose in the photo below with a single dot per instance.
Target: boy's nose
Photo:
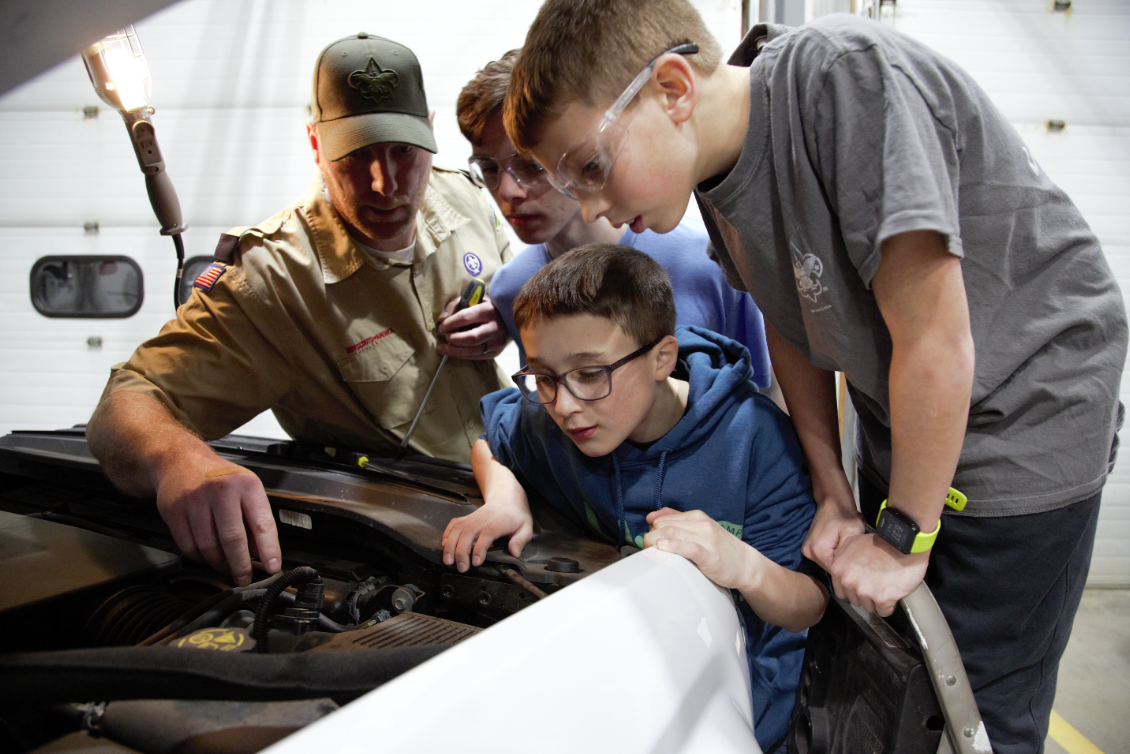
(593, 207)
(509, 190)
(564, 404)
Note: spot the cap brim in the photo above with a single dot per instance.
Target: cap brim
(337, 138)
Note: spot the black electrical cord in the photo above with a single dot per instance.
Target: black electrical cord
(180, 270)
(294, 577)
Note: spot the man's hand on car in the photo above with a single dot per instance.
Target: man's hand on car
(482, 528)
(210, 506)
(484, 337)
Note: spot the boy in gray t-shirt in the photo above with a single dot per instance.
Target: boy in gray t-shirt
(891, 225)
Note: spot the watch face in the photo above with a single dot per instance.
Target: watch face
(897, 528)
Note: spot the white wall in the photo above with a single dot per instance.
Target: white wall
(1039, 65)
(231, 79)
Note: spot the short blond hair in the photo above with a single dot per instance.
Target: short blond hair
(483, 96)
(589, 51)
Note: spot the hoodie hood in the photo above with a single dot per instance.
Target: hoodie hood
(709, 449)
(719, 372)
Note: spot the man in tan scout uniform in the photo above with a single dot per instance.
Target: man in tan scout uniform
(332, 313)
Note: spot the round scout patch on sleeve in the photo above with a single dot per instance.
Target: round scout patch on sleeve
(473, 264)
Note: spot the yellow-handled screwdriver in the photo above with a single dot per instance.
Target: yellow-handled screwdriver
(472, 294)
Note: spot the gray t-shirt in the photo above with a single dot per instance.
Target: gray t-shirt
(858, 133)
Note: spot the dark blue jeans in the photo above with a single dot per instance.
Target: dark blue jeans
(1009, 588)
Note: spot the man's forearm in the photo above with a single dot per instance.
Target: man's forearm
(132, 435)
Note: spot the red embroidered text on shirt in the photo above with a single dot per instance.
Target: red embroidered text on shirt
(358, 346)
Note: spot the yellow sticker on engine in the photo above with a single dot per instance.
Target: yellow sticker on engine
(216, 639)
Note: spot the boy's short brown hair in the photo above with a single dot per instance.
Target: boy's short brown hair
(483, 96)
(604, 280)
(589, 51)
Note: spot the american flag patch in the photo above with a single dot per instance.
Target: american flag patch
(207, 279)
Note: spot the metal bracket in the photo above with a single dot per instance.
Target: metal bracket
(965, 732)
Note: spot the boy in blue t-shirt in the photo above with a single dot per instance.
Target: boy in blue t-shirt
(650, 440)
(552, 224)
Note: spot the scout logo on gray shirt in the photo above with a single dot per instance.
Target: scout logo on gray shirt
(374, 82)
(807, 269)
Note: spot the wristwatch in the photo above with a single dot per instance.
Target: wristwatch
(903, 533)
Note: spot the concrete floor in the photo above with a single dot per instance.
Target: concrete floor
(1093, 692)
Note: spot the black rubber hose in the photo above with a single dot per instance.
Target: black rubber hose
(130, 615)
(293, 577)
(205, 607)
(214, 617)
(79, 675)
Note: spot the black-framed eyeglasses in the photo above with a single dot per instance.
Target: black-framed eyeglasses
(488, 170)
(584, 383)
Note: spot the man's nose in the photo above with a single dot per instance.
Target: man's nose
(384, 175)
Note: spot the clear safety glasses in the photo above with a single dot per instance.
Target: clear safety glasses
(488, 170)
(584, 383)
(585, 166)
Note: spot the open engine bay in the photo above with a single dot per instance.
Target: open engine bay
(108, 635)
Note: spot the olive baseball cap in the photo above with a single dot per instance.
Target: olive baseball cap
(369, 90)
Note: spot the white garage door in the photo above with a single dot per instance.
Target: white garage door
(231, 79)
(1071, 67)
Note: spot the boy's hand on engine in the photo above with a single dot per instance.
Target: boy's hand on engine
(466, 540)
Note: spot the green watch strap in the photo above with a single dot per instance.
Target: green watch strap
(922, 541)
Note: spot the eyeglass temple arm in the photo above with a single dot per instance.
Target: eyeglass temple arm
(690, 48)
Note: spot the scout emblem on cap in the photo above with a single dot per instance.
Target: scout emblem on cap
(374, 82)
(473, 264)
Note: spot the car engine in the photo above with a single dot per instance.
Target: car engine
(107, 633)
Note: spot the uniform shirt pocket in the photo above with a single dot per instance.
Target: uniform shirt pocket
(383, 375)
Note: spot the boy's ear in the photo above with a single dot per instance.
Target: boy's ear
(675, 77)
(666, 357)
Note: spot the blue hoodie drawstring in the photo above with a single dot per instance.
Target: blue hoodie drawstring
(621, 524)
(659, 482)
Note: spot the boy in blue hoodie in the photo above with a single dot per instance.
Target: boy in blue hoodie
(641, 431)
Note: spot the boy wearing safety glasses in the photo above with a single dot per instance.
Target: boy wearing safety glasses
(892, 225)
(552, 224)
(648, 440)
